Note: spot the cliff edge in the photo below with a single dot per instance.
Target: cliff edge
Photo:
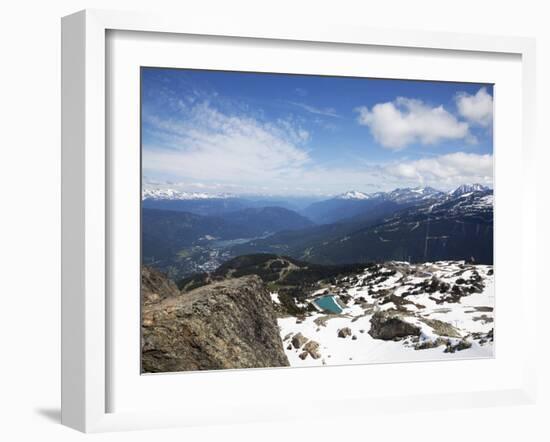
(226, 324)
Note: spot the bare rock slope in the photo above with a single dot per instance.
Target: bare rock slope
(227, 324)
(155, 286)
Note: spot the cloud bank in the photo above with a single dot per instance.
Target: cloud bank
(206, 144)
(446, 171)
(404, 121)
(477, 109)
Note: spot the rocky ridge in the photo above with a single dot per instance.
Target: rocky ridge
(226, 324)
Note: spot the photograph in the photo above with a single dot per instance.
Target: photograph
(301, 220)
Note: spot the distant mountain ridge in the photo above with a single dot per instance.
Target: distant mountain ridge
(398, 193)
(412, 224)
(354, 203)
(468, 188)
(215, 204)
(412, 194)
(455, 225)
(340, 207)
(450, 227)
(353, 195)
(173, 194)
(268, 219)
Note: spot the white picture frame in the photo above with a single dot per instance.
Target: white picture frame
(86, 203)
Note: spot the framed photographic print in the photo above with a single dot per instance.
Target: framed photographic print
(298, 220)
(250, 210)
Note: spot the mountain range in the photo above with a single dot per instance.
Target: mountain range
(213, 204)
(353, 203)
(410, 224)
(454, 225)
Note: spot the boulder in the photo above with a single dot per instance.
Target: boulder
(298, 340)
(312, 348)
(391, 326)
(344, 332)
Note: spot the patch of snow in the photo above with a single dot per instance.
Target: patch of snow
(353, 195)
(468, 189)
(472, 316)
(173, 194)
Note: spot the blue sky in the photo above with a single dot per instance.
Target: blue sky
(277, 134)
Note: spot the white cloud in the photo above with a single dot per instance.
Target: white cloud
(445, 171)
(325, 111)
(206, 144)
(204, 149)
(405, 121)
(477, 109)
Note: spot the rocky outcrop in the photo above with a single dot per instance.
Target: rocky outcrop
(227, 324)
(390, 325)
(155, 286)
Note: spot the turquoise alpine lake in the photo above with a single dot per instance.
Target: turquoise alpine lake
(328, 303)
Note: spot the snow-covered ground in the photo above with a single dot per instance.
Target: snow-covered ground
(450, 304)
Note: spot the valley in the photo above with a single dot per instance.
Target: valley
(416, 225)
(182, 243)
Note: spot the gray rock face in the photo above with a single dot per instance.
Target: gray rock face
(388, 326)
(155, 286)
(227, 324)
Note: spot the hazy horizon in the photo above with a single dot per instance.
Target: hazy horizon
(268, 196)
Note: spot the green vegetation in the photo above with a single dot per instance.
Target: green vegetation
(294, 280)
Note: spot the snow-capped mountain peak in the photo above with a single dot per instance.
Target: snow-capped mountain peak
(468, 188)
(173, 194)
(425, 190)
(400, 195)
(353, 195)
(409, 194)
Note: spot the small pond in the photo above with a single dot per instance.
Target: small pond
(328, 303)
